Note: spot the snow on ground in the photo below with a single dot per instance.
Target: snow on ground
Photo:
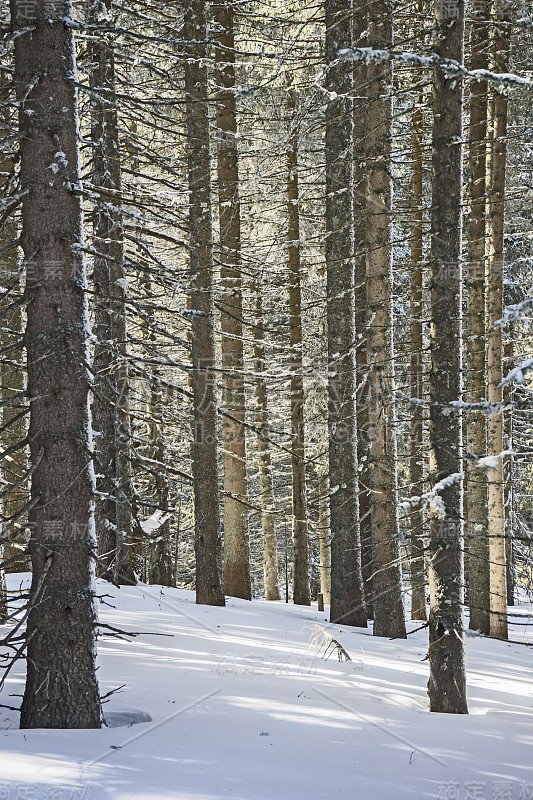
(243, 705)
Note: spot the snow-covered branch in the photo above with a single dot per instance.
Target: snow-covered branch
(432, 499)
(448, 65)
(515, 312)
(519, 372)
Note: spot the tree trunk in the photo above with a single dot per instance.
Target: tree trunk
(347, 595)
(110, 411)
(447, 682)
(161, 550)
(157, 553)
(496, 158)
(209, 589)
(14, 403)
(416, 459)
(359, 242)
(324, 545)
(389, 617)
(476, 542)
(300, 553)
(237, 581)
(268, 528)
(61, 688)
(508, 486)
(124, 573)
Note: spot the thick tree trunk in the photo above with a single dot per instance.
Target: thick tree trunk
(268, 527)
(237, 581)
(496, 158)
(300, 553)
(361, 356)
(447, 682)
(389, 617)
(475, 502)
(347, 595)
(416, 456)
(209, 589)
(61, 688)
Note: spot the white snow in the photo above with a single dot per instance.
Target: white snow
(431, 498)
(154, 522)
(244, 707)
(519, 373)
(60, 160)
(492, 462)
(515, 312)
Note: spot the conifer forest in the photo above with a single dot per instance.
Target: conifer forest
(266, 397)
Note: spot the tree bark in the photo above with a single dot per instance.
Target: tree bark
(237, 581)
(161, 550)
(209, 589)
(324, 545)
(14, 403)
(268, 520)
(496, 161)
(124, 572)
(359, 23)
(347, 595)
(416, 459)
(389, 617)
(111, 386)
(61, 688)
(476, 542)
(157, 553)
(300, 552)
(508, 484)
(447, 682)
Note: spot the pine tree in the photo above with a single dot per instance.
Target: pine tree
(476, 541)
(209, 589)
(261, 420)
(447, 683)
(496, 160)
(416, 390)
(382, 456)
(61, 688)
(324, 547)
(14, 406)
(359, 32)
(347, 595)
(111, 386)
(237, 580)
(300, 554)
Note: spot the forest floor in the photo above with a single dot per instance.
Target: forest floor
(251, 702)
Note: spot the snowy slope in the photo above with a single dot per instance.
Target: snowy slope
(281, 721)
